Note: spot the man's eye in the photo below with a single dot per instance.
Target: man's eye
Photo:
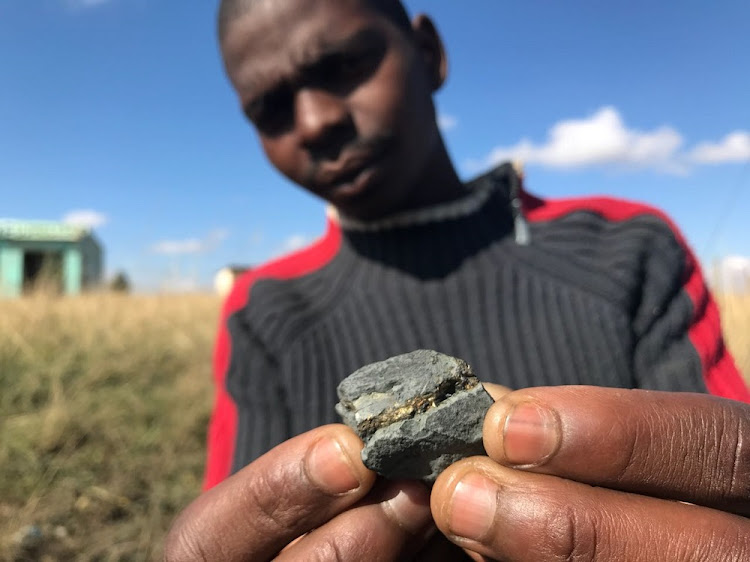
(350, 66)
(272, 113)
(359, 66)
(344, 72)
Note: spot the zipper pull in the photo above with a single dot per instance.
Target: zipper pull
(520, 225)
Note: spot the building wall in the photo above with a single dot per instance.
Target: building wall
(11, 270)
(72, 269)
(93, 262)
(30, 250)
(81, 264)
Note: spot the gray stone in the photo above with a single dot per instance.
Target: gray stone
(416, 413)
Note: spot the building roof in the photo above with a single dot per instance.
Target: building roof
(41, 231)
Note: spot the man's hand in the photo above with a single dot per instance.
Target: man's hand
(604, 475)
(310, 498)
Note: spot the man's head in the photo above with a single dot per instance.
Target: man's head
(340, 92)
(230, 10)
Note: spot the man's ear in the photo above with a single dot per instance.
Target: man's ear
(431, 48)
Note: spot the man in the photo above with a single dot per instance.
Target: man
(532, 293)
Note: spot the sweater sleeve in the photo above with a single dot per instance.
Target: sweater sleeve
(679, 344)
(249, 416)
(254, 383)
(223, 424)
(251, 413)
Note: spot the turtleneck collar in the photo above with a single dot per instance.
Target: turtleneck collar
(466, 205)
(506, 178)
(433, 241)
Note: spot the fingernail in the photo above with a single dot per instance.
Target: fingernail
(473, 507)
(410, 507)
(531, 434)
(330, 468)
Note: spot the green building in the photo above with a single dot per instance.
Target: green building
(67, 257)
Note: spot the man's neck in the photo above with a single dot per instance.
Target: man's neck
(438, 183)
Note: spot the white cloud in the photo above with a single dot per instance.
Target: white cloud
(598, 140)
(735, 147)
(291, 244)
(217, 236)
(180, 285)
(191, 245)
(731, 273)
(174, 247)
(447, 122)
(85, 217)
(294, 242)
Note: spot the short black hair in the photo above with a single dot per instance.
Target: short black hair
(229, 10)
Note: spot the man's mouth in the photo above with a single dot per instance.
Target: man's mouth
(350, 169)
(344, 173)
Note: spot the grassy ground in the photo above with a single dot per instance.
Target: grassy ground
(104, 403)
(103, 411)
(735, 319)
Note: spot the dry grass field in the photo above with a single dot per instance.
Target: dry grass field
(735, 319)
(104, 403)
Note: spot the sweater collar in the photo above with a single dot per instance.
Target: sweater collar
(465, 206)
(505, 179)
(434, 242)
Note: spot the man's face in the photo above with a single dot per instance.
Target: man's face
(341, 99)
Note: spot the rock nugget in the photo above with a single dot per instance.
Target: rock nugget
(416, 413)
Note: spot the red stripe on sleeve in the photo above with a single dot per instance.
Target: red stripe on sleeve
(222, 430)
(720, 373)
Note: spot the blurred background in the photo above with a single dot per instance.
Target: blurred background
(126, 163)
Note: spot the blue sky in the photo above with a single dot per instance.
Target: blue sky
(117, 113)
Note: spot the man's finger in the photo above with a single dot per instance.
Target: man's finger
(290, 490)
(497, 391)
(687, 447)
(508, 514)
(392, 523)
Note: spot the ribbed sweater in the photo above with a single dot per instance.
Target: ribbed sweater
(592, 291)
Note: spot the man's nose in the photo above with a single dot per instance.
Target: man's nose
(320, 117)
